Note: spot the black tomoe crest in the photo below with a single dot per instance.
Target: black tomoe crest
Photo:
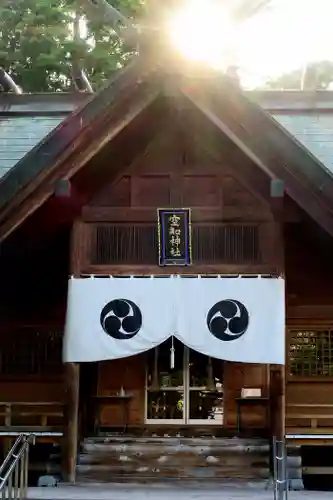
(121, 319)
(228, 320)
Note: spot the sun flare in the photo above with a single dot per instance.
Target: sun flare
(274, 42)
(202, 31)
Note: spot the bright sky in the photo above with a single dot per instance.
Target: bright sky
(283, 37)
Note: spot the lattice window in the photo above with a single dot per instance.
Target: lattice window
(311, 353)
(122, 244)
(31, 352)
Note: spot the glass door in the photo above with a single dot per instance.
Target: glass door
(205, 389)
(165, 384)
(185, 387)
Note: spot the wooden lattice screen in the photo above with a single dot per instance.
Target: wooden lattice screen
(120, 244)
(310, 353)
(31, 351)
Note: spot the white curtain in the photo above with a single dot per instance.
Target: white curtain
(235, 319)
(111, 318)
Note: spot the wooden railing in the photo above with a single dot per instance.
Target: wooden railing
(313, 418)
(34, 417)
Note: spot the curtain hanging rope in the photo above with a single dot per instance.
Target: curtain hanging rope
(172, 354)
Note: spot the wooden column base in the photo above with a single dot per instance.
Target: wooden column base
(277, 409)
(72, 427)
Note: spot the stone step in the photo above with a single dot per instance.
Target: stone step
(143, 459)
(151, 444)
(177, 458)
(158, 477)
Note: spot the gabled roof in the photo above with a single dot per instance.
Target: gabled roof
(307, 115)
(101, 119)
(74, 141)
(26, 119)
(270, 146)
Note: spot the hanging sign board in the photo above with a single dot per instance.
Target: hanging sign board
(174, 234)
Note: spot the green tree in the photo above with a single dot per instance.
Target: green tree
(42, 43)
(107, 51)
(315, 76)
(39, 45)
(35, 43)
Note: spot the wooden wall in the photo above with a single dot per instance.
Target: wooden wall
(38, 389)
(243, 375)
(168, 173)
(309, 266)
(232, 225)
(175, 173)
(129, 374)
(309, 273)
(33, 305)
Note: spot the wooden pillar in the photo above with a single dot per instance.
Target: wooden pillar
(72, 370)
(277, 372)
(72, 427)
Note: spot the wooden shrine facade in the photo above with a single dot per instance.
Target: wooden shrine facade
(92, 210)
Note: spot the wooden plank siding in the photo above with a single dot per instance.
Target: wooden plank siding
(132, 377)
(233, 232)
(244, 375)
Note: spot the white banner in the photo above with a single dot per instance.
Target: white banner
(235, 319)
(111, 318)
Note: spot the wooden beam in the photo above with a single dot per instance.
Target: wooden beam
(148, 214)
(314, 313)
(204, 269)
(318, 471)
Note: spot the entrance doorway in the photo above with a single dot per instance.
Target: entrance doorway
(185, 387)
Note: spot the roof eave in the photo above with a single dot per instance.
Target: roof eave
(270, 147)
(31, 182)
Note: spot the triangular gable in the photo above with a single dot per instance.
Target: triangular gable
(268, 144)
(255, 133)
